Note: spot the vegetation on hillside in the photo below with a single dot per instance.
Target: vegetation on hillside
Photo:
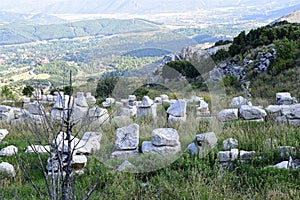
(282, 74)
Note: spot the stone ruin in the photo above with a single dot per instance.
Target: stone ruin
(87, 145)
(287, 110)
(164, 141)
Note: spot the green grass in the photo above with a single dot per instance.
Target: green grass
(189, 177)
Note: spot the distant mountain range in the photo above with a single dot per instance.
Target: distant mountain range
(137, 6)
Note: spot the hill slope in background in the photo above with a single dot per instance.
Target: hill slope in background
(17, 33)
(133, 6)
(293, 17)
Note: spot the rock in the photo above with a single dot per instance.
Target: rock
(203, 105)
(274, 110)
(164, 97)
(130, 112)
(3, 133)
(246, 155)
(9, 151)
(91, 143)
(120, 121)
(61, 143)
(224, 156)
(63, 102)
(285, 98)
(80, 100)
(26, 100)
(146, 102)
(178, 109)
(110, 101)
(97, 112)
(196, 99)
(148, 147)
(165, 137)
(193, 149)
(38, 149)
(78, 162)
(90, 100)
(7, 116)
(127, 138)
(230, 143)
(215, 75)
(205, 139)
(287, 151)
(131, 97)
(252, 112)
(143, 111)
(294, 112)
(57, 114)
(228, 115)
(237, 102)
(126, 166)
(282, 165)
(124, 154)
(158, 100)
(4, 108)
(234, 153)
(176, 120)
(78, 114)
(7, 168)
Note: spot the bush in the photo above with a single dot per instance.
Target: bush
(27, 90)
(106, 86)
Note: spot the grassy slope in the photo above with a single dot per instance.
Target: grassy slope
(189, 177)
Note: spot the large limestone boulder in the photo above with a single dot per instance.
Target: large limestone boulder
(202, 143)
(91, 100)
(35, 108)
(80, 100)
(205, 139)
(148, 147)
(38, 149)
(228, 115)
(63, 102)
(146, 108)
(4, 108)
(3, 133)
(285, 98)
(91, 143)
(9, 151)
(274, 110)
(78, 162)
(176, 120)
(127, 138)
(61, 142)
(7, 168)
(177, 109)
(146, 102)
(165, 137)
(294, 112)
(252, 112)
(78, 114)
(237, 102)
(125, 154)
(230, 143)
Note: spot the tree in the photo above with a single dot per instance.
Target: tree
(27, 90)
(105, 86)
(61, 183)
(7, 93)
